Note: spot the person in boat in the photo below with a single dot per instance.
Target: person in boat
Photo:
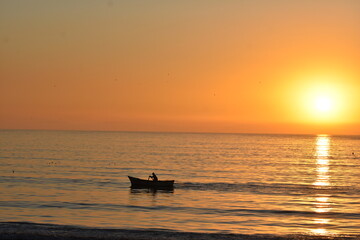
(153, 177)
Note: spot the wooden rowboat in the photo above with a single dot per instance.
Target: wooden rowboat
(141, 183)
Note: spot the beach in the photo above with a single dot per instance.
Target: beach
(31, 231)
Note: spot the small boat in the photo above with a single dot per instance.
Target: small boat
(141, 183)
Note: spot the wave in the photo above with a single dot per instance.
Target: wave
(259, 188)
(174, 209)
(244, 212)
(270, 188)
(62, 182)
(29, 231)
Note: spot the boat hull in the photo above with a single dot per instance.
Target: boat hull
(141, 183)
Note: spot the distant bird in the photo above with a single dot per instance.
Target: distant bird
(13, 171)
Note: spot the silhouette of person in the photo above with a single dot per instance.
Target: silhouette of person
(154, 177)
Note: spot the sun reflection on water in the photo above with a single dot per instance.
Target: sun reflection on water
(322, 203)
(322, 160)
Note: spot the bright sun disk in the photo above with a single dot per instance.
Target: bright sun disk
(323, 104)
(323, 99)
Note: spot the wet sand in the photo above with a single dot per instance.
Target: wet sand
(32, 231)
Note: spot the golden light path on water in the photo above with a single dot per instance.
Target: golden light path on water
(322, 203)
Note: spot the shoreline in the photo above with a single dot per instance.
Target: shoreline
(39, 231)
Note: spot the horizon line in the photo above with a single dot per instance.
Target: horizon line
(176, 132)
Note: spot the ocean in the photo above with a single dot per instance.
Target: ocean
(245, 184)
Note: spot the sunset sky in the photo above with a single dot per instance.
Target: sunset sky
(251, 66)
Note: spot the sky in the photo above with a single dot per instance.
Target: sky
(245, 66)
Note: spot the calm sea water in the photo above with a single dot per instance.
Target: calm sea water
(229, 183)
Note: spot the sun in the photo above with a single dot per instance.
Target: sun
(322, 100)
(323, 104)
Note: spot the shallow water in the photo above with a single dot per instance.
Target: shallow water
(228, 183)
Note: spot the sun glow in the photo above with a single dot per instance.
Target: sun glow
(323, 104)
(323, 99)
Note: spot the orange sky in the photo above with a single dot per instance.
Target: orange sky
(251, 66)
